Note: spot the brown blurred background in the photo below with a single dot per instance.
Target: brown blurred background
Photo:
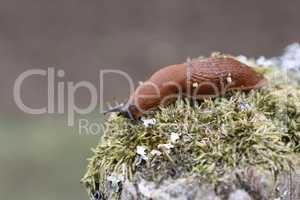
(40, 157)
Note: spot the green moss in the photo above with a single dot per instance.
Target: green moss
(260, 128)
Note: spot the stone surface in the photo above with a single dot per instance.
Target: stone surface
(180, 189)
(239, 195)
(251, 186)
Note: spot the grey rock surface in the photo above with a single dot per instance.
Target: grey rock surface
(239, 195)
(251, 186)
(188, 188)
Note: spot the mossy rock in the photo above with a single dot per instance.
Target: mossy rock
(213, 140)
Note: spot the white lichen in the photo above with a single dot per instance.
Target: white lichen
(263, 61)
(148, 122)
(165, 147)
(291, 58)
(174, 137)
(115, 181)
(155, 152)
(140, 150)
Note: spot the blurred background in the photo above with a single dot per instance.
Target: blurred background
(40, 156)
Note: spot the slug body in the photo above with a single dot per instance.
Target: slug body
(196, 79)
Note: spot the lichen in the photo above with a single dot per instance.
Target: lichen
(259, 128)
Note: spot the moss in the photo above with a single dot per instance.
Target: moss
(260, 128)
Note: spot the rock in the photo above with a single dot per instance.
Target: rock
(180, 189)
(239, 195)
(254, 186)
(288, 186)
(129, 191)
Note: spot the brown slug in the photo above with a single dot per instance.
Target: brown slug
(196, 79)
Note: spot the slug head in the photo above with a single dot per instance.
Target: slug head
(128, 111)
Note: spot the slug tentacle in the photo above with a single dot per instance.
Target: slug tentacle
(128, 111)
